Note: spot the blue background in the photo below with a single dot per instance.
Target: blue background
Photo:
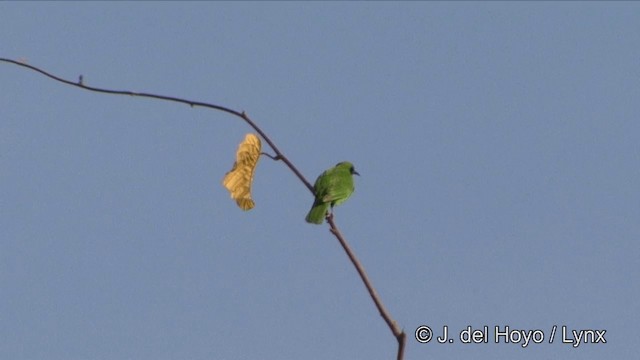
(497, 142)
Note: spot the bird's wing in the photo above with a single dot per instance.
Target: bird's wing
(339, 187)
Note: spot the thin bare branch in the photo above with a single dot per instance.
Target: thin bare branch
(398, 333)
(392, 324)
(276, 158)
(81, 84)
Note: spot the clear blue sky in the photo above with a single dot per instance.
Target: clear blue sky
(497, 143)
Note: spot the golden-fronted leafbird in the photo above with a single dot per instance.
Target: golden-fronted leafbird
(331, 188)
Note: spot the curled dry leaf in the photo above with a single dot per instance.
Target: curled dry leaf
(238, 181)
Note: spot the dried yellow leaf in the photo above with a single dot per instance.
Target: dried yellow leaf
(238, 181)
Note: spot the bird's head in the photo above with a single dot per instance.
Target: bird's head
(349, 166)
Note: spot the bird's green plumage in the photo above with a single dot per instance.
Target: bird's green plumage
(331, 188)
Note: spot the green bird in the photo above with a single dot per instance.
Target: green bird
(332, 187)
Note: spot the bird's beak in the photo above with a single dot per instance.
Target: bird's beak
(355, 172)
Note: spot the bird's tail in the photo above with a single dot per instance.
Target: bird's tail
(317, 213)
